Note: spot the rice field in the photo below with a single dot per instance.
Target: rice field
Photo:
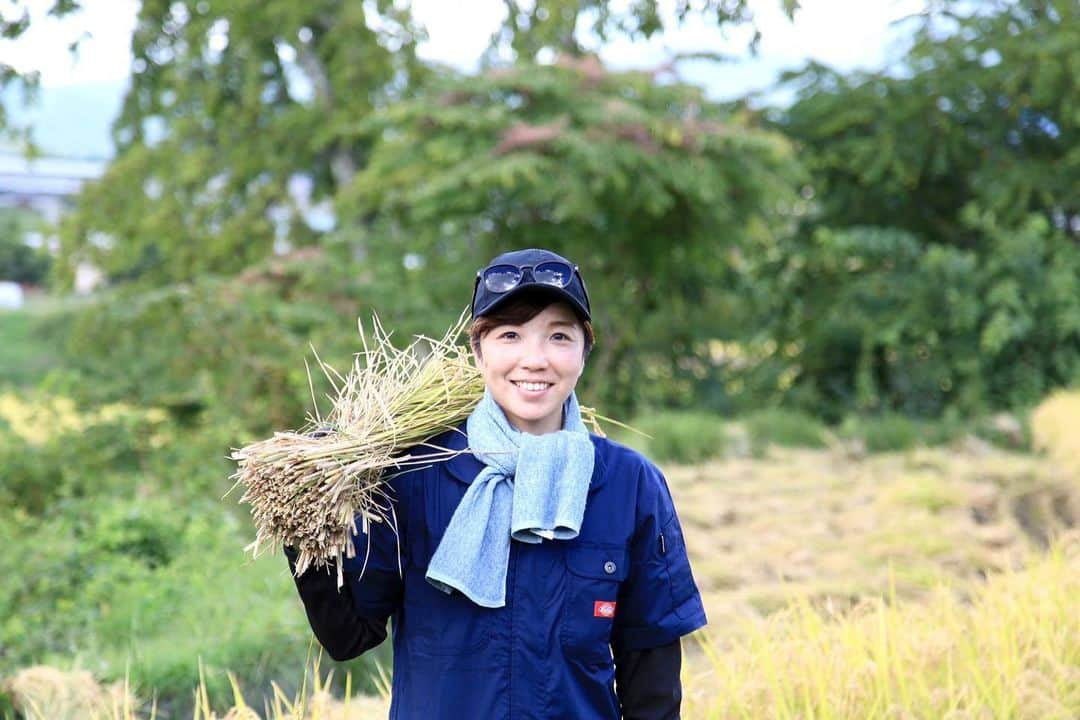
(926, 584)
(1009, 650)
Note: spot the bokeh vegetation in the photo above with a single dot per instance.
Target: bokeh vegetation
(792, 303)
(18, 261)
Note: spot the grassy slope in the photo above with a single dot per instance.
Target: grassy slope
(25, 354)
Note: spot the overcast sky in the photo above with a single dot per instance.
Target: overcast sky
(842, 33)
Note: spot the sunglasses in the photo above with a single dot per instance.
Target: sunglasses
(504, 278)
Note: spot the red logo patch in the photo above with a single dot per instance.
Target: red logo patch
(604, 609)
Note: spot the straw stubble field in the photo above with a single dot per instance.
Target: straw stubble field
(856, 587)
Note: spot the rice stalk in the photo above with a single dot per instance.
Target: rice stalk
(307, 488)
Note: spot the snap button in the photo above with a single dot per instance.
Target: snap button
(609, 567)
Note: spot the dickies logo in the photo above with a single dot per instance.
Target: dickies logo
(604, 609)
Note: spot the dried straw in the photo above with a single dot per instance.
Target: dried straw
(307, 490)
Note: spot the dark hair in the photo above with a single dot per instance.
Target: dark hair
(518, 311)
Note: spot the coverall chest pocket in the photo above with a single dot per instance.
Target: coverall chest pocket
(444, 625)
(594, 574)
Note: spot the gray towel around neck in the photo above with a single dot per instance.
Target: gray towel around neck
(532, 488)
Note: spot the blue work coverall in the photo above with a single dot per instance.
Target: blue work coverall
(623, 585)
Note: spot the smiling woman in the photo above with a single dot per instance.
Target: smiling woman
(540, 571)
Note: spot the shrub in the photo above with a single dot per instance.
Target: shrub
(18, 261)
(119, 550)
(893, 432)
(681, 437)
(49, 451)
(232, 346)
(786, 428)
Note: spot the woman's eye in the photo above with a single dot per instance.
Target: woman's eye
(561, 337)
(508, 335)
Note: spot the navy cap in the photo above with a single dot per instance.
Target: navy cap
(526, 262)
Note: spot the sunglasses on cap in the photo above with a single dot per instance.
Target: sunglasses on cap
(504, 278)
(501, 280)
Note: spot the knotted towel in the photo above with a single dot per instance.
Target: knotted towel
(533, 487)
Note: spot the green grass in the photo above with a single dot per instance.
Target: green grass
(27, 351)
(896, 433)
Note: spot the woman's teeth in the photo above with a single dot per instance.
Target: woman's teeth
(534, 386)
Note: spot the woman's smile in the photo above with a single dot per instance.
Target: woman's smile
(532, 387)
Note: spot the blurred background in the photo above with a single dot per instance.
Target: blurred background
(833, 248)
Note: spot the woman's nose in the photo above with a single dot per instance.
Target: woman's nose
(534, 356)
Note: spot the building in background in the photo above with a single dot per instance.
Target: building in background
(47, 186)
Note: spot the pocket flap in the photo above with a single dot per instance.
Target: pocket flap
(599, 562)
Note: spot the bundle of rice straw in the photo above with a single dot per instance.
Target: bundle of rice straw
(307, 489)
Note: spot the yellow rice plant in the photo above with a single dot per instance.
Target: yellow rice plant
(1010, 651)
(45, 693)
(307, 489)
(41, 692)
(1055, 429)
(313, 701)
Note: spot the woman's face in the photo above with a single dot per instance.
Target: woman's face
(531, 369)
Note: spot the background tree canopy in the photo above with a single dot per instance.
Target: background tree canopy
(654, 190)
(939, 263)
(901, 240)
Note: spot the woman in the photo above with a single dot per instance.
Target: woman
(541, 574)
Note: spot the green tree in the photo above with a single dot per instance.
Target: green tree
(233, 120)
(657, 192)
(235, 105)
(18, 261)
(938, 259)
(531, 29)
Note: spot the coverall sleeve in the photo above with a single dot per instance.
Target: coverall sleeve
(659, 602)
(647, 682)
(331, 613)
(350, 620)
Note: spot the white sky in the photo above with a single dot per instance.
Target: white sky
(842, 33)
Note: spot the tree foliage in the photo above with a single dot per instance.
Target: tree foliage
(231, 130)
(557, 26)
(928, 262)
(983, 109)
(938, 265)
(236, 121)
(656, 191)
